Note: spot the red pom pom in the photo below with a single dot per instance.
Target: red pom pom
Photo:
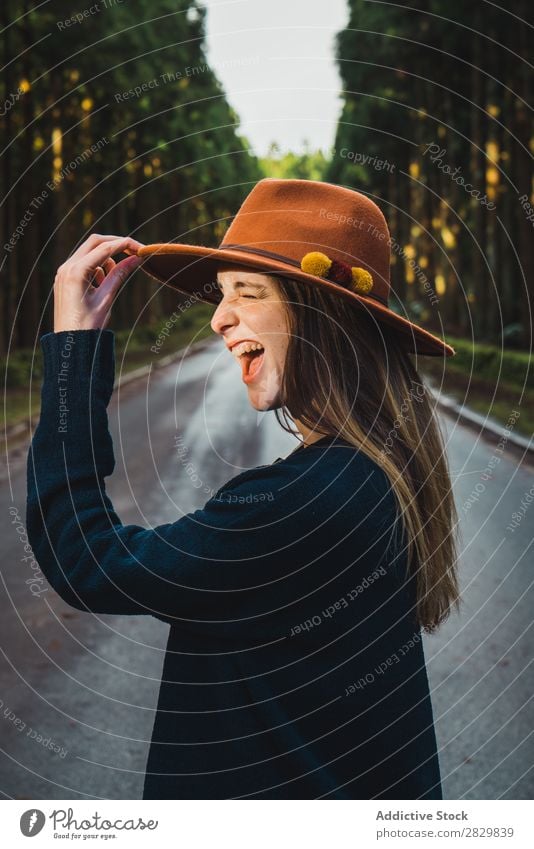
(340, 272)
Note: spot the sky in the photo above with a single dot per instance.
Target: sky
(276, 61)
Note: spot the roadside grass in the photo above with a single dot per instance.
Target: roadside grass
(489, 380)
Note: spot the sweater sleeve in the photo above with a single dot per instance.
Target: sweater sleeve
(255, 560)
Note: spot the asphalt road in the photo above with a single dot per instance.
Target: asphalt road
(78, 691)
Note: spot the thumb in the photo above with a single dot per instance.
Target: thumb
(119, 274)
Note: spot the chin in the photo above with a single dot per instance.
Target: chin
(264, 393)
(261, 403)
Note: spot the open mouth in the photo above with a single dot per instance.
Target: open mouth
(250, 357)
(251, 364)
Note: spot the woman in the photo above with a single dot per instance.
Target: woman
(297, 595)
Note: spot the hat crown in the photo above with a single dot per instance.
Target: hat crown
(290, 218)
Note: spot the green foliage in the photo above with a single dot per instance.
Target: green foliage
(309, 165)
(488, 379)
(20, 366)
(514, 369)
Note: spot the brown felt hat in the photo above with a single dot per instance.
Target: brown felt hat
(316, 233)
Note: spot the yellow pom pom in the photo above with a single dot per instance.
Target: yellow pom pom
(362, 280)
(316, 263)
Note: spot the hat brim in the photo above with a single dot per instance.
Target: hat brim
(192, 269)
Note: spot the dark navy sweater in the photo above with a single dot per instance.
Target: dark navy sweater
(294, 667)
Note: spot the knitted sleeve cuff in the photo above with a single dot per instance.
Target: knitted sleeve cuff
(79, 355)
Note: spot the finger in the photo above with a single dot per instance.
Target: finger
(89, 243)
(101, 272)
(98, 276)
(109, 265)
(106, 250)
(133, 252)
(85, 266)
(94, 240)
(118, 275)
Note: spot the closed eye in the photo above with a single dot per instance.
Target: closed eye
(261, 291)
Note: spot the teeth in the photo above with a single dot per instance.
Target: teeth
(245, 347)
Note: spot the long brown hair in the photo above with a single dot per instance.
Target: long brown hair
(348, 375)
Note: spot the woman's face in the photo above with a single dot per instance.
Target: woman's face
(251, 310)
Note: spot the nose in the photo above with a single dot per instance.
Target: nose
(224, 317)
